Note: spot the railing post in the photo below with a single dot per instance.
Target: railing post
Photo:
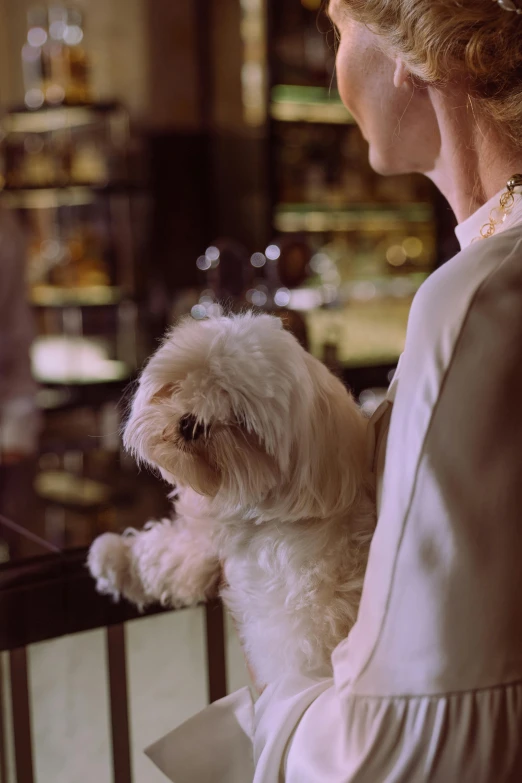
(216, 653)
(23, 744)
(117, 670)
(3, 741)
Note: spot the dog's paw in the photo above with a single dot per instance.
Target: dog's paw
(110, 565)
(176, 567)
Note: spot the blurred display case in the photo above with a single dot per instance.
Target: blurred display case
(73, 177)
(69, 173)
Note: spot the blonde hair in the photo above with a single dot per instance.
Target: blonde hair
(442, 41)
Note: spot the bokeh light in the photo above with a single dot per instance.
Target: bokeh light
(282, 297)
(199, 312)
(258, 260)
(320, 263)
(413, 247)
(273, 252)
(37, 36)
(73, 35)
(259, 298)
(396, 255)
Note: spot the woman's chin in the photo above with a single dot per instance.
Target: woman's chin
(385, 163)
(392, 162)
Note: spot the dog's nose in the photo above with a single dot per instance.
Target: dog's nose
(189, 428)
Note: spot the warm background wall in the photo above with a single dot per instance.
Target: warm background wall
(144, 53)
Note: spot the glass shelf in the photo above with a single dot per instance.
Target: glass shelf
(67, 489)
(366, 333)
(74, 360)
(119, 372)
(359, 291)
(291, 103)
(50, 119)
(291, 218)
(88, 296)
(49, 198)
(54, 196)
(390, 286)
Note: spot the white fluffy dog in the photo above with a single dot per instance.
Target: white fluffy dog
(267, 451)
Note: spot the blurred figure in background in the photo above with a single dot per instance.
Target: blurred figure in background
(19, 419)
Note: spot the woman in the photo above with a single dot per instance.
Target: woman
(428, 686)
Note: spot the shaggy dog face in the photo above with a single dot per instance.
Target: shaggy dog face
(235, 409)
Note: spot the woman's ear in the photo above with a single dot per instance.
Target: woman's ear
(401, 73)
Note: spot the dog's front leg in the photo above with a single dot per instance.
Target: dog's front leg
(172, 562)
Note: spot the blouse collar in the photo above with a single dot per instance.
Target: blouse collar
(469, 229)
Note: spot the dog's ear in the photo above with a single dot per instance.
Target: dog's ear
(339, 432)
(166, 392)
(330, 448)
(170, 432)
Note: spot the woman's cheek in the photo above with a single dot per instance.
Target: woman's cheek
(346, 79)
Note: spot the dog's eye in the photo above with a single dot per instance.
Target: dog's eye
(190, 429)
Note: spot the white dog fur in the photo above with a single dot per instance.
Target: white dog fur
(267, 451)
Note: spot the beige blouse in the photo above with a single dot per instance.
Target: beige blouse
(428, 685)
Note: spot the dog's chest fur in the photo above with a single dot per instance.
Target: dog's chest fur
(293, 588)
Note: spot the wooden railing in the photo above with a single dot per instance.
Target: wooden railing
(53, 596)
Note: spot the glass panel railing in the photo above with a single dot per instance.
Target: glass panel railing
(70, 710)
(7, 753)
(167, 680)
(83, 706)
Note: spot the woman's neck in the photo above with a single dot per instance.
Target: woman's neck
(473, 163)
